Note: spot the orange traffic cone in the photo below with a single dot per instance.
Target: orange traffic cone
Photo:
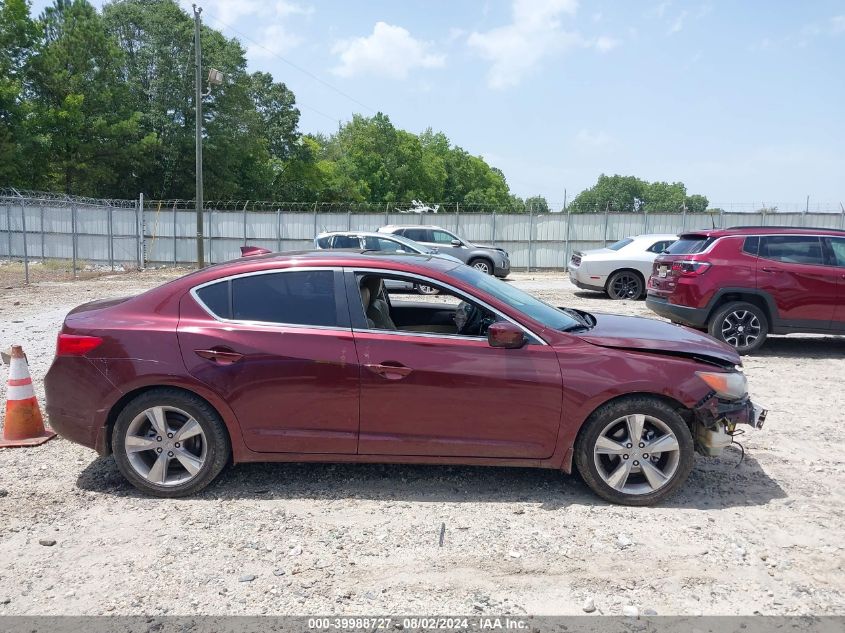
(24, 425)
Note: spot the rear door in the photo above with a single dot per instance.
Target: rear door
(837, 249)
(793, 270)
(278, 347)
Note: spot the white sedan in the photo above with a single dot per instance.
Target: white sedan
(621, 269)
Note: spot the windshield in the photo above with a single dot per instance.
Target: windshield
(620, 244)
(519, 300)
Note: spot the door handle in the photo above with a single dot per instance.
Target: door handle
(391, 372)
(219, 356)
(767, 269)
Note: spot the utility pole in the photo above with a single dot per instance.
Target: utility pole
(198, 108)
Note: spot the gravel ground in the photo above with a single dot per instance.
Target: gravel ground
(764, 535)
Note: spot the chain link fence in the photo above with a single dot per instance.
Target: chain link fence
(45, 235)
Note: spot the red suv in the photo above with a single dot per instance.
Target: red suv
(743, 283)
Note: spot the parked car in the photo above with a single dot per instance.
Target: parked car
(621, 269)
(383, 242)
(744, 283)
(488, 259)
(305, 357)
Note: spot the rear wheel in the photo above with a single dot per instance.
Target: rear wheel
(169, 443)
(741, 325)
(634, 451)
(625, 284)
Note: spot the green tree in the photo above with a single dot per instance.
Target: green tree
(627, 194)
(81, 106)
(19, 36)
(697, 203)
(537, 204)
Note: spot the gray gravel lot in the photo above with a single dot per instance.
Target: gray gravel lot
(765, 535)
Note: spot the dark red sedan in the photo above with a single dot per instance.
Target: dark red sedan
(306, 357)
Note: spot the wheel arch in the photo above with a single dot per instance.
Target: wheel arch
(482, 256)
(758, 298)
(129, 396)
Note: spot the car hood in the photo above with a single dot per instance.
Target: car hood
(651, 335)
(488, 247)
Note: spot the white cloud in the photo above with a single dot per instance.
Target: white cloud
(285, 8)
(678, 23)
(534, 34)
(273, 39)
(837, 24)
(391, 51)
(605, 44)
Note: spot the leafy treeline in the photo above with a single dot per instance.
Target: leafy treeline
(102, 104)
(627, 194)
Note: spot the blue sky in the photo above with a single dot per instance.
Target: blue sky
(742, 101)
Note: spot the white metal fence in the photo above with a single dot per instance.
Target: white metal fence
(132, 233)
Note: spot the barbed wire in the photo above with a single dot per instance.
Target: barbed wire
(12, 195)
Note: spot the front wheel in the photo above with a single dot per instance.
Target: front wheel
(625, 284)
(741, 325)
(635, 451)
(482, 265)
(169, 443)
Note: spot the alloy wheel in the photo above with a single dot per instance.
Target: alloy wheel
(741, 328)
(165, 446)
(482, 266)
(637, 454)
(625, 286)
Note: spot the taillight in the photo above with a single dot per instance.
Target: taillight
(75, 344)
(689, 268)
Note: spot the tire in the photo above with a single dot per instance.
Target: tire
(625, 284)
(483, 265)
(604, 436)
(173, 468)
(736, 323)
(426, 290)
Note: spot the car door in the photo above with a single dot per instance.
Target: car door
(837, 249)
(443, 242)
(278, 347)
(793, 271)
(437, 394)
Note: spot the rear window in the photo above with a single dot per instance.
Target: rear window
(689, 245)
(620, 244)
(305, 297)
(792, 249)
(323, 242)
(418, 235)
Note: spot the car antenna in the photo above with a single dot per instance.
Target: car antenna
(712, 221)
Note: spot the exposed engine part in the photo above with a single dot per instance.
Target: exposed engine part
(712, 440)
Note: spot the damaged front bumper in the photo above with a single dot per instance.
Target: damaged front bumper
(715, 421)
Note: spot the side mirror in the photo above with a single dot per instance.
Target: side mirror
(457, 243)
(505, 334)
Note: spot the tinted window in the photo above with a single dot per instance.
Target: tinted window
(303, 297)
(837, 245)
(620, 244)
(689, 245)
(751, 245)
(792, 249)
(659, 247)
(382, 244)
(418, 235)
(324, 242)
(216, 298)
(346, 241)
(442, 237)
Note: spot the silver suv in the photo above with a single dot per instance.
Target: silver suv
(487, 259)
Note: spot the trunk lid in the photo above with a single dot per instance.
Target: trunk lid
(680, 259)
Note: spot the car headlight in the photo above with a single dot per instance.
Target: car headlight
(731, 385)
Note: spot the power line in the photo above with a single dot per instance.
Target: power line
(295, 66)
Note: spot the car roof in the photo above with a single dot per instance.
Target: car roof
(393, 227)
(655, 236)
(364, 233)
(763, 230)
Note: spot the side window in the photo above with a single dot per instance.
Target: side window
(444, 314)
(418, 235)
(346, 241)
(324, 241)
(216, 298)
(659, 247)
(837, 245)
(792, 249)
(751, 245)
(442, 237)
(382, 244)
(304, 297)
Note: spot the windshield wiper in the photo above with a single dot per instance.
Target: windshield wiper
(585, 321)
